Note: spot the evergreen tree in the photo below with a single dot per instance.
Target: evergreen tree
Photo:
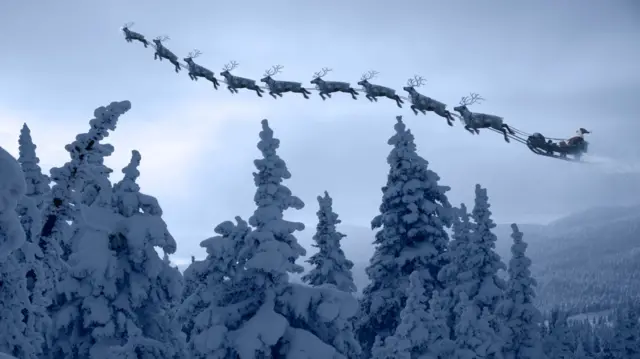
(474, 335)
(15, 328)
(559, 343)
(262, 315)
(422, 333)
(626, 341)
(330, 264)
(490, 287)
(411, 236)
(37, 182)
(521, 317)
(206, 311)
(119, 290)
(581, 353)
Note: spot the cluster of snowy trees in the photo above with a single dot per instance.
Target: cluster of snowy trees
(85, 271)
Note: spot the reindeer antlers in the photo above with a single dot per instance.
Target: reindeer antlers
(128, 25)
(322, 72)
(369, 75)
(195, 53)
(273, 70)
(230, 66)
(416, 81)
(162, 38)
(473, 98)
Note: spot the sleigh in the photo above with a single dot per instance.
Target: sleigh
(575, 147)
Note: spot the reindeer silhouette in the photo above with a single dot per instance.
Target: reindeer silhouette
(132, 35)
(423, 103)
(164, 53)
(374, 91)
(236, 82)
(474, 120)
(329, 87)
(196, 70)
(279, 87)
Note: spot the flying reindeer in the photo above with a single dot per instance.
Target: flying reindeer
(329, 87)
(132, 35)
(279, 87)
(374, 91)
(474, 121)
(164, 53)
(236, 82)
(423, 103)
(196, 70)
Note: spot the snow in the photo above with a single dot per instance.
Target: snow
(330, 264)
(12, 188)
(411, 236)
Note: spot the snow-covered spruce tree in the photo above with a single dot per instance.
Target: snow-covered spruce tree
(37, 182)
(268, 317)
(559, 343)
(626, 340)
(119, 289)
(490, 287)
(422, 333)
(459, 274)
(206, 312)
(521, 317)
(411, 236)
(29, 255)
(73, 176)
(330, 264)
(15, 331)
(473, 332)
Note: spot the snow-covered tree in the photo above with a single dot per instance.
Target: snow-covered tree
(626, 340)
(37, 182)
(262, 314)
(581, 353)
(330, 264)
(422, 333)
(12, 189)
(473, 332)
(206, 312)
(490, 287)
(75, 175)
(17, 329)
(459, 274)
(119, 289)
(559, 343)
(411, 236)
(522, 318)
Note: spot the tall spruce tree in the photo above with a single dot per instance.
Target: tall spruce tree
(411, 236)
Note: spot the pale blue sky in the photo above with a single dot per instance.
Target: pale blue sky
(544, 66)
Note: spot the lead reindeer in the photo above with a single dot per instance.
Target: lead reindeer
(475, 120)
(196, 70)
(374, 91)
(279, 87)
(236, 82)
(422, 103)
(329, 87)
(164, 53)
(132, 35)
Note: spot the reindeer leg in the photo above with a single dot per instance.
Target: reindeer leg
(369, 98)
(354, 93)
(504, 125)
(230, 89)
(477, 131)
(305, 95)
(322, 95)
(469, 129)
(155, 56)
(145, 43)
(506, 138)
(258, 92)
(413, 108)
(272, 95)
